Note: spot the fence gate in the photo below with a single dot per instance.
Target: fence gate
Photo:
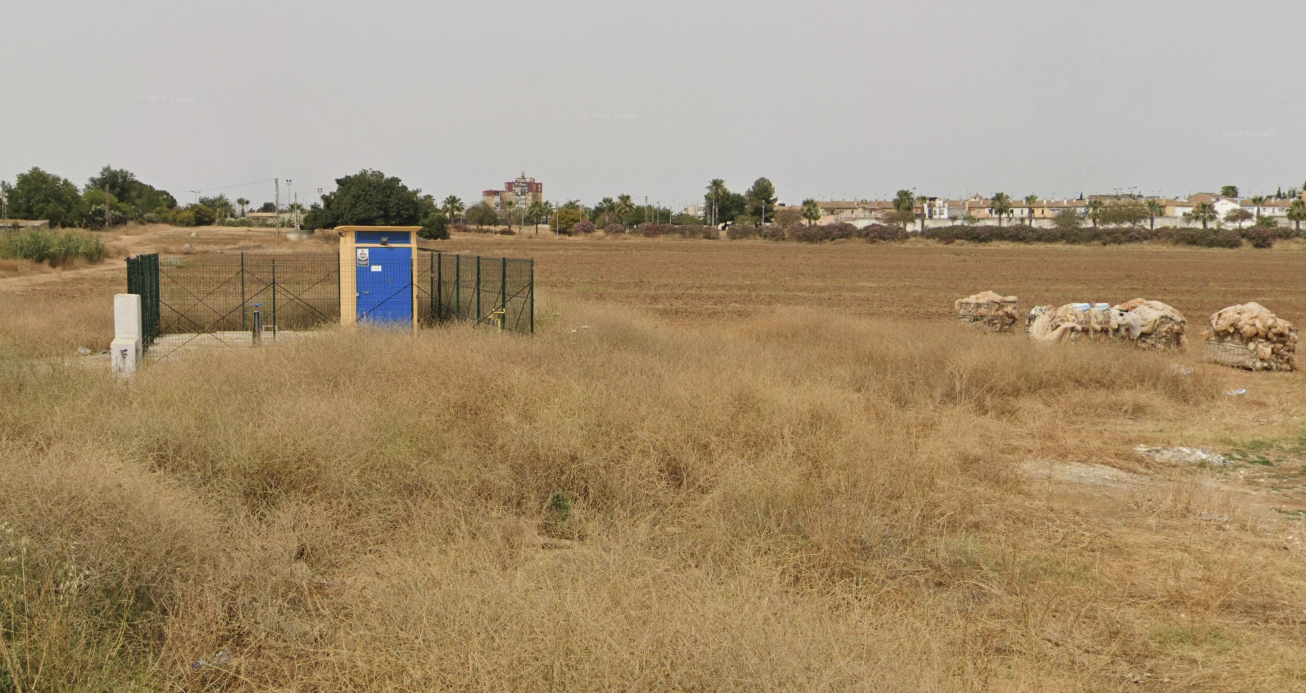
(143, 280)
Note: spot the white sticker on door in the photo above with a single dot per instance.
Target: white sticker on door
(376, 268)
(361, 253)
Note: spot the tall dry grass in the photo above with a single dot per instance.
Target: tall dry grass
(796, 502)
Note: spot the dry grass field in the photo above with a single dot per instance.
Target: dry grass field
(717, 466)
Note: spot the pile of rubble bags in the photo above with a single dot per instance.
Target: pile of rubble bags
(989, 311)
(1148, 324)
(1161, 327)
(1250, 336)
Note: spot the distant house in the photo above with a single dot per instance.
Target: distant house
(522, 191)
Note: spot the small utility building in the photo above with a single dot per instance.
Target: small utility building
(376, 274)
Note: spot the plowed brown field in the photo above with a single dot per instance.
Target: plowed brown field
(707, 279)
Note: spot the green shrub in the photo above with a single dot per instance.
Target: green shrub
(53, 247)
(435, 227)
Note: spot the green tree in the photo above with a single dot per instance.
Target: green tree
(1203, 212)
(243, 204)
(1297, 213)
(435, 227)
(811, 211)
(761, 199)
(1001, 205)
(509, 208)
(1031, 200)
(482, 215)
(565, 218)
(607, 207)
(94, 216)
(536, 212)
(716, 192)
(1066, 220)
(367, 198)
(220, 205)
(128, 190)
(40, 195)
(1229, 191)
(922, 203)
(1154, 210)
(1258, 200)
(1238, 216)
(202, 214)
(1095, 209)
(625, 206)
(452, 206)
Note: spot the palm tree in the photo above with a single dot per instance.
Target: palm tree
(716, 189)
(452, 207)
(537, 211)
(1203, 212)
(1297, 213)
(1030, 200)
(1001, 205)
(1154, 210)
(243, 204)
(625, 206)
(508, 206)
(609, 207)
(1095, 208)
(1258, 200)
(811, 211)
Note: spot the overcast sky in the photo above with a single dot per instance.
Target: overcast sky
(599, 98)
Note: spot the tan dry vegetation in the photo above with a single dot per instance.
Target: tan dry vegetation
(802, 501)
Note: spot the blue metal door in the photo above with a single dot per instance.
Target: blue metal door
(385, 285)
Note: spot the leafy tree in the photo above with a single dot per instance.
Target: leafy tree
(625, 206)
(1066, 220)
(1229, 191)
(1297, 213)
(1266, 222)
(269, 207)
(94, 217)
(202, 214)
(811, 211)
(435, 227)
(716, 192)
(1203, 212)
(731, 206)
(788, 217)
(606, 208)
(243, 204)
(220, 205)
(1127, 214)
(761, 197)
(1154, 210)
(367, 198)
(565, 219)
(1001, 204)
(40, 195)
(452, 206)
(124, 186)
(482, 215)
(1238, 216)
(900, 217)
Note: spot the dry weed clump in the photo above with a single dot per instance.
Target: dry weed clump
(793, 501)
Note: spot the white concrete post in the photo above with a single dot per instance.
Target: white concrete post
(126, 347)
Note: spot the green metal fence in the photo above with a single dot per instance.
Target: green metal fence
(495, 291)
(221, 294)
(143, 280)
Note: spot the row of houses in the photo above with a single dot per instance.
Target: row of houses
(938, 209)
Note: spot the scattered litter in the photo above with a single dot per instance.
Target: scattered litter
(1176, 369)
(1208, 517)
(83, 351)
(1181, 455)
(584, 327)
(194, 234)
(221, 659)
(1236, 393)
(575, 330)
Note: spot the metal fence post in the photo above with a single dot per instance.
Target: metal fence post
(478, 289)
(503, 292)
(274, 299)
(242, 293)
(532, 291)
(458, 286)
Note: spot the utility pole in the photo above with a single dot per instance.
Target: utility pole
(106, 206)
(276, 203)
(296, 212)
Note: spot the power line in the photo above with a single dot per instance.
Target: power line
(227, 187)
